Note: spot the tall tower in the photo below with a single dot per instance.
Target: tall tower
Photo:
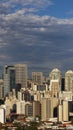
(36, 108)
(56, 75)
(65, 111)
(9, 79)
(37, 77)
(21, 75)
(54, 87)
(69, 80)
(46, 108)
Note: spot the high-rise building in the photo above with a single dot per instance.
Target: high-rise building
(21, 75)
(36, 108)
(46, 109)
(65, 111)
(37, 77)
(54, 87)
(56, 75)
(9, 79)
(69, 80)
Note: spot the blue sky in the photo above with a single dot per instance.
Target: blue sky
(37, 32)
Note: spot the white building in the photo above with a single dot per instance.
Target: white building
(69, 80)
(56, 75)
(20, 107)
(2, 115)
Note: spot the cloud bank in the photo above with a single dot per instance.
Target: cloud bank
(28, 36)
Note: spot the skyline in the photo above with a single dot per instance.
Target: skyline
(38, 33)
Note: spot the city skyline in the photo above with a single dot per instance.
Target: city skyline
(38, 33)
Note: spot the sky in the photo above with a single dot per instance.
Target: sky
(38, 33)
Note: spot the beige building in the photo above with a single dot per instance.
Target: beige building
(46, 109)
(29, 109)
(69, 80)
(37, 77)
(66, 95)
(48, 106)
(65, 111)
(56, 75)
(20, 107)
(60, 112)
(54, 87)
(36, 108)
(21, 75)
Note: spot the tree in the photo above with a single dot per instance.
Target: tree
(72, 121)
(19, 128)
(31, 128)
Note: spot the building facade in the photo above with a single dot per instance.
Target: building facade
(37, 77)
(21, 75)
(69, 80)
(56, 75)
(9, 79)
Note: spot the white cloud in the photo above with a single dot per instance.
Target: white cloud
(28, 36)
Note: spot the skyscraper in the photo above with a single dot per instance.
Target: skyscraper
(36, 108)
(69, 80)
(21, 75)
(37, 77)
(65, 110)
(56, 75)
(54, 87)
(9, 78)
(46, 109)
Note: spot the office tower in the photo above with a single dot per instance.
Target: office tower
(69, 80)
(37, 77)
(9, 79)
(21, 75)
(36, 109)
(56, 75)
(46, 109)
(54, 87)
(65, 111)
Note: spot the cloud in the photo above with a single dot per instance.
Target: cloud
(29, 5)
(44, 42)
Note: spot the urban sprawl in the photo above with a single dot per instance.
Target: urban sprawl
(38, 103)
